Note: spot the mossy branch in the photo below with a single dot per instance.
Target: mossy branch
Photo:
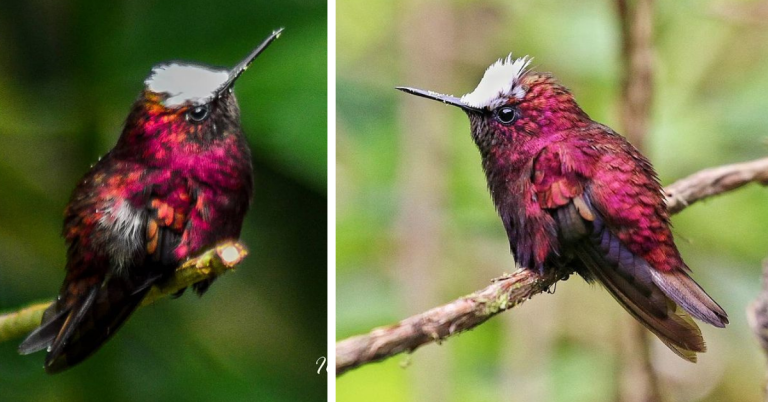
(213, 262)
(441, 322)
(510, 290)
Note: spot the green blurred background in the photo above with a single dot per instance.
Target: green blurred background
(416, 226)
(69, 71)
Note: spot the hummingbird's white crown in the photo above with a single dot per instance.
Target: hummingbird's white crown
(501, 80)
(185, 83)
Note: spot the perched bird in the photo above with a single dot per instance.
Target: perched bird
(571, 192)
(178, 180)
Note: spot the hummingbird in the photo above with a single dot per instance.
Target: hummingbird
(572, 193)
(178, 181)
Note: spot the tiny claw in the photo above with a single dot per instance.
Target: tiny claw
(552, 289)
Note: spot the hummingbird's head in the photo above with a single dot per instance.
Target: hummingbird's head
(185, 105)
(513, 105)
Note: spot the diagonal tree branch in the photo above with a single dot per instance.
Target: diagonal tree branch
(441, 322)
(713, 181)
(510, 290)
(213, 262)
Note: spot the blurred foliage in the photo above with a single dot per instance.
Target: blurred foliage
(711, 80)
(69, 71)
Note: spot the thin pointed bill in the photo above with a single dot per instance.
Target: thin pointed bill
(240, 68)
(447, 99)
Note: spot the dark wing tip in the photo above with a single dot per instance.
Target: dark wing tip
(42, 337)
(722, 322)
(56, 365)
(33, 344)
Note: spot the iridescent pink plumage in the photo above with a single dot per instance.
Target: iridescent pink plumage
(573, 194)
(178, 180)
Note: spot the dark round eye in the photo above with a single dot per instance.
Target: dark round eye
(198, 113)
(506, 114)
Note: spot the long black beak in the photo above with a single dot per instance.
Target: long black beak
(240, 68)
(447, 99)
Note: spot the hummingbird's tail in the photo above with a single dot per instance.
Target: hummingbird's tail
(689, 295)
(634, 289)
(661, 301)
(73, 332)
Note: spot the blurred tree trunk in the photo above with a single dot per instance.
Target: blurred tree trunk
(640, 382)
(636, 22)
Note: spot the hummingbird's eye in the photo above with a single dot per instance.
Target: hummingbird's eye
(506, 114)
(198, 113)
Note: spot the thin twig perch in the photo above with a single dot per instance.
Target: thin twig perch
(510, 290)
(213, 262)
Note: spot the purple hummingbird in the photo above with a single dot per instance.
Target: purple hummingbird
(178, 180)
(572, 193)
